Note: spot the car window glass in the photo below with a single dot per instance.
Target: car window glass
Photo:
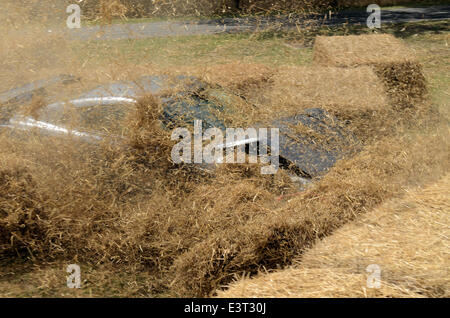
(104, 118)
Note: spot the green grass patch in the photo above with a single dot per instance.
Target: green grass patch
(195, 50)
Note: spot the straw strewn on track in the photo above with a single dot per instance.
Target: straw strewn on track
(139, 225)
(270, 240)
(407, 238)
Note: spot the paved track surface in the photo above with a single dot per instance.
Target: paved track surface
(234, 25)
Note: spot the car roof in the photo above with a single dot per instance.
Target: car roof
(151, 84)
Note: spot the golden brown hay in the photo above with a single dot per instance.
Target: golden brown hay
(356, 50)
(272, 239)
(406, 238)
(354, 95)
(144, 126)
(391, 60)
(355, 89)
(22, 221)
(238, 76)
(192, 230)
(140, 225)
(112, 8)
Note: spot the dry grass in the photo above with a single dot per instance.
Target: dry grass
(112, 8)
(146, 8)
(407, 238)
(399, 70)
(120, 206)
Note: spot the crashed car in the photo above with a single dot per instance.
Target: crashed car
(305, 155)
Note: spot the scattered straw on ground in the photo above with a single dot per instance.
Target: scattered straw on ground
(130, 217)
(407, 239)
(270, 240)
(192, 231)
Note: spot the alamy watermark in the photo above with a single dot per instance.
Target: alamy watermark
(374, 19)
(74, 19)
(374, 277)
(241, 144)
(74, 279)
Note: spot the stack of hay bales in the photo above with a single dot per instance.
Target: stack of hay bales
(392, 61)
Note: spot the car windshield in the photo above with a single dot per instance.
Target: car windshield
(105, 119)
(223, 98)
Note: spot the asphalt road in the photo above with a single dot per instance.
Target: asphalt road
(233, 25)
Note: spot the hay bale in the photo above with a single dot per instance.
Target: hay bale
(240, 77)
(391, 60)
(336, 266)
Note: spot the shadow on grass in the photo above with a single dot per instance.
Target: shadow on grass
(401, 30)
(405, 30)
